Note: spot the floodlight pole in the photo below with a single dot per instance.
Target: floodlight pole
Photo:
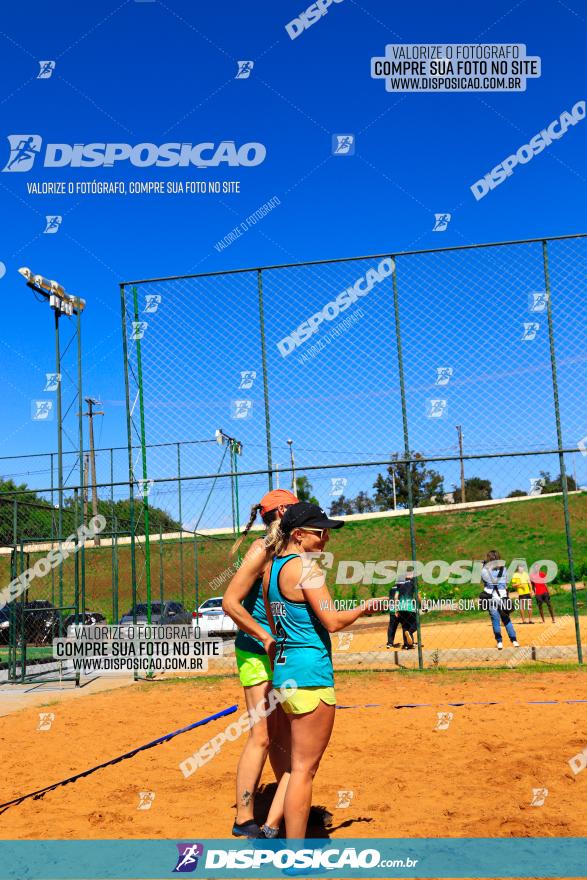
(235, 447)
(61, 303)
(57, 314)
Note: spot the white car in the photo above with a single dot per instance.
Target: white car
(211, 620)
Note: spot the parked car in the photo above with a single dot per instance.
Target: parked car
(161, 613)
(212, 620)
(41, 622)
(88, 619)
(4, 625)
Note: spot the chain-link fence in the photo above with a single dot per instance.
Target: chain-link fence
(392, 389)
(435, 400)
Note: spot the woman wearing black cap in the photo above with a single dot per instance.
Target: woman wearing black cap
(302, 616)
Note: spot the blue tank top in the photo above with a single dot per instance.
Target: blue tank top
(254, 604)
(303, 651)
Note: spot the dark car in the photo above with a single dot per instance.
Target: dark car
(163, 613)
(41, 622)
(4, 625)
(90, 618)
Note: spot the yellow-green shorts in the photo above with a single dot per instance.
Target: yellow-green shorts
(305, 700)
(253, 668)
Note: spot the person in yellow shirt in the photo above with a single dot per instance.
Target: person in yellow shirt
(521, 583)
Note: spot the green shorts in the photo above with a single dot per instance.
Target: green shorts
(253, 668)
(305, 700)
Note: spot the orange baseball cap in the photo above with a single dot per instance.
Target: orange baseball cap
(275, 499)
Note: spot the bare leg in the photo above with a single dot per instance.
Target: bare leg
(252, 760)
(279, 742)
(310, 734)
(280, 757)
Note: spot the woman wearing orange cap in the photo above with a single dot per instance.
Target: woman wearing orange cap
(254, 646)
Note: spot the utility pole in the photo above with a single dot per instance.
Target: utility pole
(293, 467)
(85, 488)
(90, 414)
(460, 433)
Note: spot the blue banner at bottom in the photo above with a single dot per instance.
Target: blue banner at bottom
(351, 857)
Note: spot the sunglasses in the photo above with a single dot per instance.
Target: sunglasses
(317, 531)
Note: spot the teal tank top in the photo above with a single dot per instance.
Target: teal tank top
(254, 604)
(304, 652)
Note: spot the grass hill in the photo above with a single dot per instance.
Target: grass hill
(528, 529)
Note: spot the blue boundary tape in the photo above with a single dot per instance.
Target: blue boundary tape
(42, 791)
(480, 703)
(468, 703)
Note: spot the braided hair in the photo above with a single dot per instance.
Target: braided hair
(269, 517)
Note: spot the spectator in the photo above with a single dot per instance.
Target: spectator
(403, 611)
(521, 583)
(494, 597)
(538, 578)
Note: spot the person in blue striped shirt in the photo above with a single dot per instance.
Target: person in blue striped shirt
(494, 597)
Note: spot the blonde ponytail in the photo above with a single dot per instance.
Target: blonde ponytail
(275, 539)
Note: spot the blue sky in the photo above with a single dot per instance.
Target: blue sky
(136, 72)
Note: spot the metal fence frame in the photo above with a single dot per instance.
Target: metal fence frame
(131, 287)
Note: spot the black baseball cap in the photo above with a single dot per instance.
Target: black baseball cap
(306, 515)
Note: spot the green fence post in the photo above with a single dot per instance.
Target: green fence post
(180, 522)
(82, 551)
(197, 573)
(12, 637)
(561, 458)
(232, 457)
(236, 504)
(407, 451)
(113, 572)
(265, 377)
(161, 575)
(23, 600)
(143, 454)
(52, 532)
(115, 569)
(77, 563)
(133, 570)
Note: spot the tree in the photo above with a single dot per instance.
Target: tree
(304, 490)
(38, 519)
(476, 489)
(427, 484)
(341, 506)
(549, 485)
(517, 493)
(34, 514)
(363, 503)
